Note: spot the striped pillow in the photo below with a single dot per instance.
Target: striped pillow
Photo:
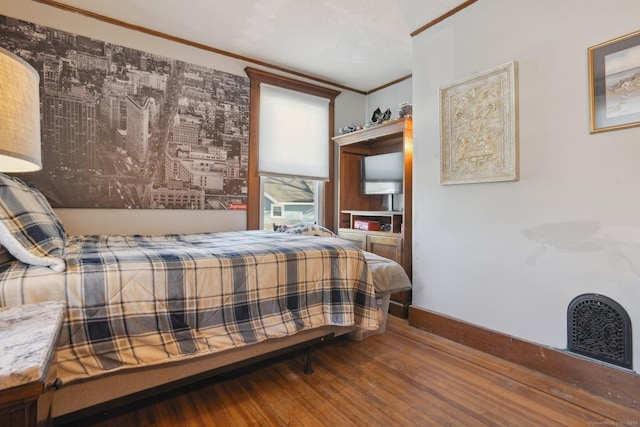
(29, 229)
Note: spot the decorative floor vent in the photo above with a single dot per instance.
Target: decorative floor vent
(599, 328)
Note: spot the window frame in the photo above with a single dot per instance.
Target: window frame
(255, 194)
(281, 207)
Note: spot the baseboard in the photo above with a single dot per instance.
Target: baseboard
(609, 382)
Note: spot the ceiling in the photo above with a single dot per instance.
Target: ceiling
(357, 44)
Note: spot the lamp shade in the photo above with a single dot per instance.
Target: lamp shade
(19, 115)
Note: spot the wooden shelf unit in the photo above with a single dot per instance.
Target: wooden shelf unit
(388, 137)
(393, 219)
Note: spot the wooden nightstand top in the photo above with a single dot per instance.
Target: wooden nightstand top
(28, 338)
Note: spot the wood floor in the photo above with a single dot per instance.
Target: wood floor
(404, 377)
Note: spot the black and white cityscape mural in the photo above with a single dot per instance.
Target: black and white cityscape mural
(122, 128)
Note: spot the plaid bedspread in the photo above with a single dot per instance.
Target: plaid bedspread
(142, 300)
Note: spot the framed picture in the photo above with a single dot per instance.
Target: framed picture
(614, 83)
(479, 129)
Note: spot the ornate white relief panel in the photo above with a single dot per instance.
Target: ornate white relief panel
(478, 134)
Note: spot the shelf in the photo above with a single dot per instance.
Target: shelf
(390, 137)
(390, 128)
(373, 213)
(372, 233)
(385, 218)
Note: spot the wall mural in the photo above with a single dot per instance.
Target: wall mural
(122, 128)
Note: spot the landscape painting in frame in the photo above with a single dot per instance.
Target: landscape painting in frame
(479, 129)
(614, 77)
(127, 129)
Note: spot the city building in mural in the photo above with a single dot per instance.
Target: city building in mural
(122, 128)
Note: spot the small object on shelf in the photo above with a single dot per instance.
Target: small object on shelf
(377, 116)
(405, 110)
(366, 225)
(349, 129)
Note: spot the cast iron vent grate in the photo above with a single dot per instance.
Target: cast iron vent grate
(598, 327)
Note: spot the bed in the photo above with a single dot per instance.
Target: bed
(144, 311)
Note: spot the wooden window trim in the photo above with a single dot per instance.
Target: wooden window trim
(258, 77)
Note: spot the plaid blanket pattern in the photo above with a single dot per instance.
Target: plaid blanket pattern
(29, 229)
(143, 300)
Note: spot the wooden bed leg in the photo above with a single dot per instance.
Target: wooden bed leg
(308, 369)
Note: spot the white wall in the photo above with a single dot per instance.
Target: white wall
(349, 107)
(348, 110)
(510, 256)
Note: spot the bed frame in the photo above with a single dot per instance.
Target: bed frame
(86, 265)
(83, 398)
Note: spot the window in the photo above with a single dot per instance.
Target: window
(276, 211)
(290, 201)
(290, 152)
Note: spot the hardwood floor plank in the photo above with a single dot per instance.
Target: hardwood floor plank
(371, 391)
(404, 377)
(305, 407)
(525, 402)
(400, 391)
(258, 385)
(518, 373)
(505, 401)
(458, 400)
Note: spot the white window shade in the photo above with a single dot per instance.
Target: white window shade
(294, 134)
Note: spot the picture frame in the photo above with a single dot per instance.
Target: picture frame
(479, 127)
(614, 83)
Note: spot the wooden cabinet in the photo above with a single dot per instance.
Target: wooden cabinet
(27, 405)
(395, 241)
(19, 407)
(359, 238)
(29, 334)
(388, 247)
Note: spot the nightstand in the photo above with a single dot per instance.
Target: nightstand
(28, 337)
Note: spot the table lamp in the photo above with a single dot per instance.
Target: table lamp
(19, 115)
